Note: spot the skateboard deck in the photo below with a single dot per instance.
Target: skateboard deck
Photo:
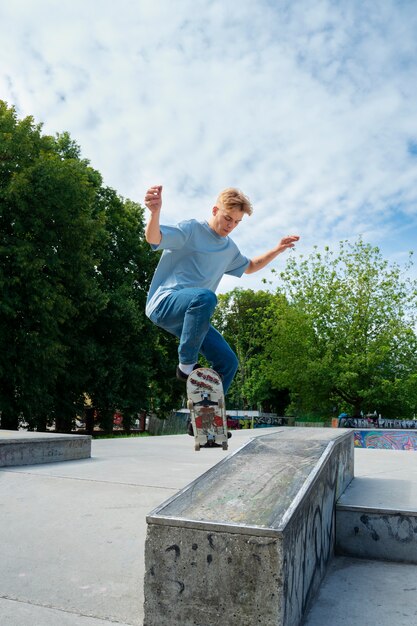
(207, 408)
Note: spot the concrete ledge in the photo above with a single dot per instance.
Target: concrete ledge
(29, 448)
(386, 534)
(376, 517)
(249, 541)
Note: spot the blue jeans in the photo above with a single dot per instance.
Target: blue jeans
(186, 313)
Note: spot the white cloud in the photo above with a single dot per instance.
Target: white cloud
(309, 107)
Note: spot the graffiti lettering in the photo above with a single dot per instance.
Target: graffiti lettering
(209, 377)
(366, 422)
(201, 384)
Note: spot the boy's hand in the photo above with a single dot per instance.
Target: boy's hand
(153, 198)
(288, 242)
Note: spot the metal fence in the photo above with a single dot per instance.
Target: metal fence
(175, 424)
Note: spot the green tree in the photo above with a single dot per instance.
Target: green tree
(166, 392)
(121, 339)
(345, 335)
(74, 272)
(47, 233)
(241, 317)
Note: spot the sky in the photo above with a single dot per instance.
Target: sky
(308, 106)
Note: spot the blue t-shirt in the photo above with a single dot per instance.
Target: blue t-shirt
(194, 255)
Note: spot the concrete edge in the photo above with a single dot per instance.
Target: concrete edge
(37, 437)
(374, 509)
(232, 528)
(311, 479)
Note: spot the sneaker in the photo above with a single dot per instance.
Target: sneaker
(180, 374)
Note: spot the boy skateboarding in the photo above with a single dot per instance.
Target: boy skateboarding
(196, 255)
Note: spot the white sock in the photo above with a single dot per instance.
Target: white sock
(186, 369)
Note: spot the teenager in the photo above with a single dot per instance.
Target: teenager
(196, 255)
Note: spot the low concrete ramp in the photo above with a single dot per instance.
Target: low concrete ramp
(377, 533)
(376, 517)
(249, 541)
(29, 448)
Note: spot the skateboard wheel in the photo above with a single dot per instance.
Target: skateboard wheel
(224, 445)
(220, 403)
(197, 447)
(190, 405)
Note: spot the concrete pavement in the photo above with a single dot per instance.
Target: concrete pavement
(72, 536)
(383, 479)
(366, 593)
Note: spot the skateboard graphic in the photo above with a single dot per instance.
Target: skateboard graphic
(207, 408)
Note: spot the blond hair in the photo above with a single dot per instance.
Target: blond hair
(232, 198)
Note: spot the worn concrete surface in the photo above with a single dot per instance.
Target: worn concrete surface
(264, 517)
(28, 448)
(383, 479)
(257, 486)
(376, 534)
(72, 536)
(376, 517)
(212, 578)
(366, 593)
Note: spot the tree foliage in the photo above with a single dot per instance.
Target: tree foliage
(74, 272)
(346, 336)
(338, 334)
(241, 316)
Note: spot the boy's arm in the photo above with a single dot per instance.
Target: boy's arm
(264, 259)
(152, 230)
(153, 200)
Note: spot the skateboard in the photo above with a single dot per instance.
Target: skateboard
(207, 408)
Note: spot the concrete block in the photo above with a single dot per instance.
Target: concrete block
(249, 541)
(209, 578)
(29, 448)
(367, 533)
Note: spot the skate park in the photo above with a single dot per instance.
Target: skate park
(307, 109)
(267, 516)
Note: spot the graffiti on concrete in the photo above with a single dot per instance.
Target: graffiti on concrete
(192, 571)
(310, 535)
(376, 422)
(261, 420)
(385, 439)
(373, 535)
(267, 420)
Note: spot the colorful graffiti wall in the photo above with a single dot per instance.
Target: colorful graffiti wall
(386, 439)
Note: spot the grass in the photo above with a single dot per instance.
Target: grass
(120, 435)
